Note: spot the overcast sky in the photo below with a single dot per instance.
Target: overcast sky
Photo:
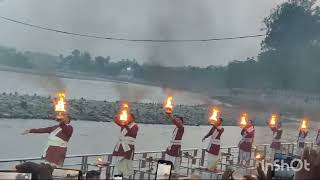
(139, 19)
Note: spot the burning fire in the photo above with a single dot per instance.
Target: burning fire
(258, 156)
(123, 116)
(273, 120)
(304, 124)
(243, 120)
(168, 105)
(125, 106)
(214, 116)
(60, 105)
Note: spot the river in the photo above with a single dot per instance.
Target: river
(89, 89)
(96, 137)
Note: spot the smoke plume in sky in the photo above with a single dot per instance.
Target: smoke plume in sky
(140, 19)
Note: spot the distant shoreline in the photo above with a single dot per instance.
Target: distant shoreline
(61, 74)
(15, 106)
(85, 76)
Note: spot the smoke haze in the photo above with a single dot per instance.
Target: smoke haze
(141, 19)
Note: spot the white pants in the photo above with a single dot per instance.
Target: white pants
(244, 156)
(176, 161)
(122, 166)
(212, 161)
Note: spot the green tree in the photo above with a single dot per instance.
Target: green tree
(290, 51)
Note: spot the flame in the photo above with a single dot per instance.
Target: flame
(273, 120)
(243, 120)
(168, 105)
(214, 115)
(60, 105)
(304, 124)
(125, 106)
(123, 115)
(258, 156)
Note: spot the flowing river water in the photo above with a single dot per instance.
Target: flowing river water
(98, 137)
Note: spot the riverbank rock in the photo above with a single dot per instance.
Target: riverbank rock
(39, 107)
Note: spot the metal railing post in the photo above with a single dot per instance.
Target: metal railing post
(228, 158)
(292, 149)
(265, 154)
(194, 160)
(144, 159)
(195, 153)
(203, 154)
(163, 155)
(108, 168)
(83, 163)
(187, 165)
(238, 156)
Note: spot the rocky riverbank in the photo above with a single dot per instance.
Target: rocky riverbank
(39, 107)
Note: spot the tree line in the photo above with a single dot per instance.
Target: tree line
(290, 53)
(289, 59)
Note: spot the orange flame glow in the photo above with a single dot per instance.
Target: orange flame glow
(258, 156)
(60, 105)
(125, 106)
(304, 124)
(273, 120)
(168, 105)
(123, 115)
(214, 116)
(243, 120)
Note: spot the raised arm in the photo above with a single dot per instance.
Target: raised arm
(175, 121)
(221, 130)
(299, 135)
(274, 130)
(209, 134)
(243, 131)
